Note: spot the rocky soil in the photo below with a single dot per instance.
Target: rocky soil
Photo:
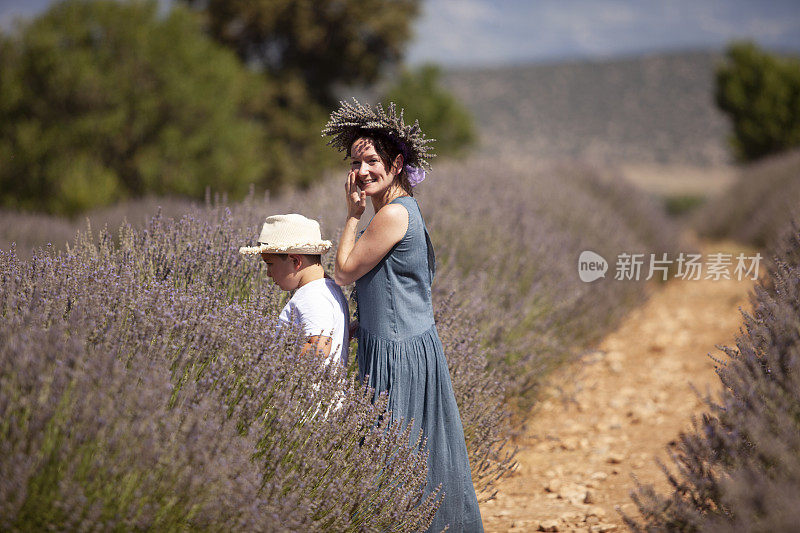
(604, 421)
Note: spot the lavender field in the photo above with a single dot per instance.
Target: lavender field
(143, 384)
(736, 468)
(151, 351)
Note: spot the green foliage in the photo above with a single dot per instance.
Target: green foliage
(316, 44)
(761, 94)
(441, 116)
(682, 204)
(102, 100)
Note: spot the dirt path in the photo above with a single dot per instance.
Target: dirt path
(609, 418)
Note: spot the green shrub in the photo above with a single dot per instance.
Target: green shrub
(440, 115)
(103, 100)
(761, 94)
(682, 204)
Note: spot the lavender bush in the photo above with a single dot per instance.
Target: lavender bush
(757, 206)
(34, 230)
(88, 442)
(153, 368)
(739, 468)
(509, 235)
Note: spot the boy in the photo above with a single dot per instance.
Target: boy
(291, 246)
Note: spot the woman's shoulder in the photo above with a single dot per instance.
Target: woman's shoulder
(392, 213)
(409, 205)
(389, 224)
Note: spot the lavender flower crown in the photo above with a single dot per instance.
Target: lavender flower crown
(351, 121)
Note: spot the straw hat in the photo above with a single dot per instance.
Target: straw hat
(289, 234)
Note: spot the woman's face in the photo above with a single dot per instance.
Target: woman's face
(372, 176)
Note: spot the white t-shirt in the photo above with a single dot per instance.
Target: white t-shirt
(320, 308)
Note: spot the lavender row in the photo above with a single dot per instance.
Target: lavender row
(758, 205)
(738, 469)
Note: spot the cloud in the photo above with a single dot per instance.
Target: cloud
(449, 27)
(485, 31)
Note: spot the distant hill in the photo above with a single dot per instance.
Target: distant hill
(650, 109)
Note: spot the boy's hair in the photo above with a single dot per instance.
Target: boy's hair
(314, 259)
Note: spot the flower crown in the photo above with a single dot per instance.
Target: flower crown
(351, 121)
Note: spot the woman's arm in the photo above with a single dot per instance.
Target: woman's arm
(387, 227)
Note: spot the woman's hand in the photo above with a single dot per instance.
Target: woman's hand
(356, 199)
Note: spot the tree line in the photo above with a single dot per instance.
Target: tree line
(103, 100)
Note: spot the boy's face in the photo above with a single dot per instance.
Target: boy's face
(282, 270)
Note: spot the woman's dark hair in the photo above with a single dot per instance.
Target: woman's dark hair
(387, 150)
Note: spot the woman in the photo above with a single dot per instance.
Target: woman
(392, 264)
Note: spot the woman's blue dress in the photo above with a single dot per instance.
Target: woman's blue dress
(400, 350)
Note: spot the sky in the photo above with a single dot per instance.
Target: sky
(485, 32)
(492, 32)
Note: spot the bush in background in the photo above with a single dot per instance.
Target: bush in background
(31, 230)
(103, 100)
(441, 116)
(761, 94)
(508, 235)
(739, 468)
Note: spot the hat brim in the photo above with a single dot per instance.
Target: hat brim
(308, 248)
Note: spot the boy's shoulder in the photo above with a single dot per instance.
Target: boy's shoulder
(333, 286)
(335, 291)
(316, 289)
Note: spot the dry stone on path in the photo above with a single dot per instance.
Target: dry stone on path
(608, 418)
